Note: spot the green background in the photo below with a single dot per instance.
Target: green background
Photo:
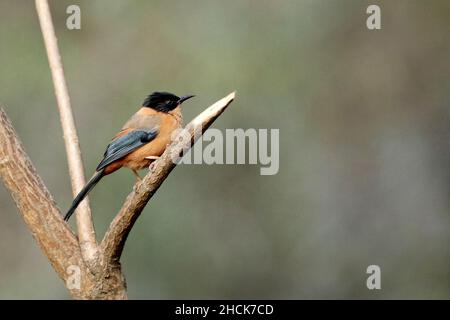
(364, 144)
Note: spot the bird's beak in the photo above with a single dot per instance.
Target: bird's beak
(184, 98)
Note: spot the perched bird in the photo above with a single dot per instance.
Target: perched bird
(141, 140)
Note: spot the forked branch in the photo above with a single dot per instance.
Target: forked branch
(100, 274)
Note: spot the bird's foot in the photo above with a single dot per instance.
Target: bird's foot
(151, 165)
(138, 177)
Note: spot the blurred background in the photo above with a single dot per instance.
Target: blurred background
(364, 151)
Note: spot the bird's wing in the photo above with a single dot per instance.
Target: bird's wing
(126, 144)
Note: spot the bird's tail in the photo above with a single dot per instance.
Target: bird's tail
(84, 192)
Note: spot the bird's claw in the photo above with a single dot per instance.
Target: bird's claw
(138, 177)
(150, 166)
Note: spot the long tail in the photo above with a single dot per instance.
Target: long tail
(84, 192)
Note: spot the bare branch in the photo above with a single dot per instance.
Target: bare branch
(35, 203)
(85, 225)
(44, 220)
(114, 240)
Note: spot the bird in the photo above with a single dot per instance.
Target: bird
(141, 140)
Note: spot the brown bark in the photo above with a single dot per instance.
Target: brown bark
(43, 218)
(101, 278)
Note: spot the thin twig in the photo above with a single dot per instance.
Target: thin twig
(114, 240)
(86, 233)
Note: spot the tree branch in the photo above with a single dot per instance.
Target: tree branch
(35, 202)
(44, 220)
(114, 240)
(86, 232)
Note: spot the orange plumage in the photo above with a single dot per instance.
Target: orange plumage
(146, 134)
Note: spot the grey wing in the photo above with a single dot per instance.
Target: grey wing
(126, 144)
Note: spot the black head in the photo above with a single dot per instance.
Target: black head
(164, 101)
